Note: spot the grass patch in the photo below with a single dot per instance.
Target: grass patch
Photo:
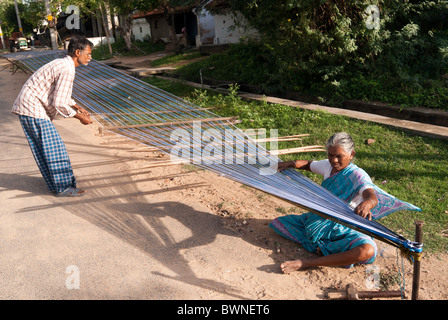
(245, 64)
(175, 59)
(174, 87)
(138, 48)
(410, 167)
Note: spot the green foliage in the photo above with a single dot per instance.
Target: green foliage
(249, 63)
(318, 40)
(327, 49)
(129, 6)
(9, 18)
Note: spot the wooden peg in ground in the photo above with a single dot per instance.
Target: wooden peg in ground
(352, 293)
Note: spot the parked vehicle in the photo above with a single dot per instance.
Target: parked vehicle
(18, 43)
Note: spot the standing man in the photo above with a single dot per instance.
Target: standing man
(45, 94)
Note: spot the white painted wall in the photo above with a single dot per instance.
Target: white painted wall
(228, 31)
(140, 29)
(100, 40)
(206, 28)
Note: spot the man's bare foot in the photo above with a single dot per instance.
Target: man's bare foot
(290, 266)
(71, 192)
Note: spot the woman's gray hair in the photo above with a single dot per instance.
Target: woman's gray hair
(342, 139)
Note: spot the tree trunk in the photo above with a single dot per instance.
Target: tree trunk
(126, 30)
(105, 21)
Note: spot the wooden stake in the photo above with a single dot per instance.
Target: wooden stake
(417, 258)
(298, 150)
(278, 139)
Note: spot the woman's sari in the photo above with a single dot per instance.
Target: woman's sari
(313, 231)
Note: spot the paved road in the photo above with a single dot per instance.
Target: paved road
(47, 242)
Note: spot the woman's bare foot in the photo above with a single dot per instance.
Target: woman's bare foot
(355, 255)
(290, 266)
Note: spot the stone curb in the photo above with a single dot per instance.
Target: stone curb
(418, 114)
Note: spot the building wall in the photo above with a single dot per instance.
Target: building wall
(141, 29)
(211, 29)
(227, 31)
(160, 28)
(206, 28)
(99, 40)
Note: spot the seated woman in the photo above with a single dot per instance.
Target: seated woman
(339, 245)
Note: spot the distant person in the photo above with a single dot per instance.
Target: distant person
(45, 94)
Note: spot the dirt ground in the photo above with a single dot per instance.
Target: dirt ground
(222, 246)
(246, 212)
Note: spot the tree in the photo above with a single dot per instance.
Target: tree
(323, 41)
(10, 18)
(316, 38)
(125, 9)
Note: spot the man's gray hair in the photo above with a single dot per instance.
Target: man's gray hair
(78, 42)
(342, 139)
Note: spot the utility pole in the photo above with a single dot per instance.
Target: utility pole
(1, 36)
(54, 44)
(18, 17)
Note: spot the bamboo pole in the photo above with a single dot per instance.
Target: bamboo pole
(149, 148)
(145, 113)
(279, 139)
(182, 160)
(169, 123)
(273, 152)
(298, 150)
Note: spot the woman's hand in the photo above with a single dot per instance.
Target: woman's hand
(296, 164)
(363, 209)
(370, 202)
(285, 165)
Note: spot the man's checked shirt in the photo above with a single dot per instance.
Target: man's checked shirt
(48, 91)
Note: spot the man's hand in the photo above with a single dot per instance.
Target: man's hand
(84, 118)
(81, 110)
(84, 111)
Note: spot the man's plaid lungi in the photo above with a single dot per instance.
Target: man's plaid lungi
(49, 152)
